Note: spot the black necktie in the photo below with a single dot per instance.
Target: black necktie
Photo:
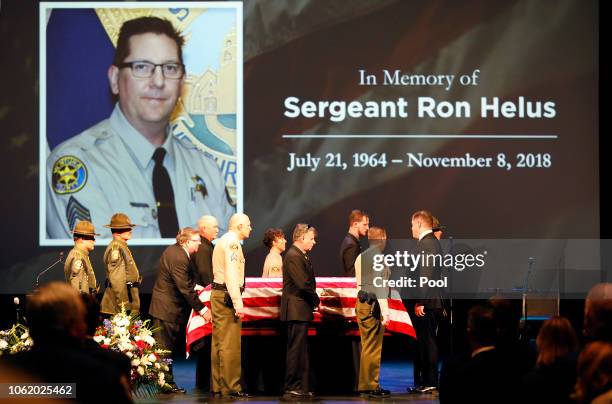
(164, 196)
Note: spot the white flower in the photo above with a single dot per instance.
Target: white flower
(149, 340)
(121, 331)
(137, 338)
(99, 338)
(145, 361)
(25, 335)
(140, 371)
(107, 341)
(121, 320)
(3, 344)
(157, 365)
(135, 362)
(161, 378)
(152, 358)
(129, 354)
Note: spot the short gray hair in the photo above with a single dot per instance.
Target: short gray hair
(301, 229)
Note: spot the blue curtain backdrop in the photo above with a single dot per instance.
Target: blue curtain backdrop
(79, 53)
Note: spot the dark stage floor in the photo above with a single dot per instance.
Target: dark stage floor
(395, 376)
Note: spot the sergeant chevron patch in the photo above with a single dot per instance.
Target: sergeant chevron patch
(76, 212)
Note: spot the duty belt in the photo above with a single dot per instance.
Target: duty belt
(221, 286)
(128, 285)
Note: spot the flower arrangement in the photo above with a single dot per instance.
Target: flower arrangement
(15, 340)
(133, 337)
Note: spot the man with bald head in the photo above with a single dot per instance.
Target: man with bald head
(208, 227)
(227, 308)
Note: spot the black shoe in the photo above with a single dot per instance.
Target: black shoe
(239, 394)
(299, 394)
(379, 393)
(174, 389)
(413, 389)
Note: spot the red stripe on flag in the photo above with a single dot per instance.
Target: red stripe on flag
(261, 301)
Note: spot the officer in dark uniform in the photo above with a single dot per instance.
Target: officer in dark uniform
(122, 276)
(77, 269)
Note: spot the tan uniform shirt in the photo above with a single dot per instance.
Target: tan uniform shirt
(384, 306)
(273, 265)
(120, 269)
(78, 270)
(228, 266)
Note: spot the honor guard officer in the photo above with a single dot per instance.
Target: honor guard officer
(122, 276)
(227, 308)
(275, 240)
(78, 270)
(132, 162)
(371, 309)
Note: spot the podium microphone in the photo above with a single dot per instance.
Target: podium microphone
(17, 309)
(60, 259)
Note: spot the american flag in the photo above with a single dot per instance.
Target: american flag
(262, 296)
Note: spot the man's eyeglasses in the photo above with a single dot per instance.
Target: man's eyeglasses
(196, 240)
(145, 70)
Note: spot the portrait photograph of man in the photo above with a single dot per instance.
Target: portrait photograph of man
(140, 113)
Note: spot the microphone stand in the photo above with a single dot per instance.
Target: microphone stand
(531, 260)
(17, 309)
(60, 259)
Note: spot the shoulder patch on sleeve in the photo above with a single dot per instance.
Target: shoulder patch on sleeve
(77, 265)
(68, 175)
(114, 255)
(234, 245)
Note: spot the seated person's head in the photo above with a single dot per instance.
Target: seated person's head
(55, 311)
(555, 339)
(481, 327)
(594, 372)
(598, 313)
(507, 319)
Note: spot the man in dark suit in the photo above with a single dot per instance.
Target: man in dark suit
(350, 248)
(427, 308)
(298, 301)
(174, 294)
(208, 227)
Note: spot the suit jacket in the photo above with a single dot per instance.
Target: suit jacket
(173, 295)
(429, 297)
(349, 250)
(299, 296)
(202, 260)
